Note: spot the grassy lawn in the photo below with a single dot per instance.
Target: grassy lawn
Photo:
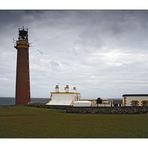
(23, 121)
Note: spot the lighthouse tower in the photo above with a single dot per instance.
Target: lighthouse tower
(22, 69)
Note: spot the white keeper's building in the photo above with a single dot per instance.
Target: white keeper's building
(135, 100)
(68, 97)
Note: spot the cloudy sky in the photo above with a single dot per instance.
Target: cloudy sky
(102, 53)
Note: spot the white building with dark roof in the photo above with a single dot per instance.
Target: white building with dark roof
(135, 100)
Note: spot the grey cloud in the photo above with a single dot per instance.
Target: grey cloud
(103, 53)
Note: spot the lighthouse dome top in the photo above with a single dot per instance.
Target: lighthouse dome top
(23, 33)
(22, 42)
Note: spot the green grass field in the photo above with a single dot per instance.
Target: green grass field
(31, 122)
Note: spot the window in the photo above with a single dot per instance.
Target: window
(144, 103)
(134, 103)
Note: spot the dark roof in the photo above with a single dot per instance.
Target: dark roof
(117, 101)
(135, 95)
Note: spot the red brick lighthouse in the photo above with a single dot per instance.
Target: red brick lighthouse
(22, 69)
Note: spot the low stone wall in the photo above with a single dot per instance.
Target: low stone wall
(108, 110)
(93, 110)
(40, 105)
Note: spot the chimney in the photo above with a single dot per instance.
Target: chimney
(57, 88)
(74, 89)
(67, 88)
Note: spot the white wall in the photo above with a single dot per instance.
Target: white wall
(82, 103)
